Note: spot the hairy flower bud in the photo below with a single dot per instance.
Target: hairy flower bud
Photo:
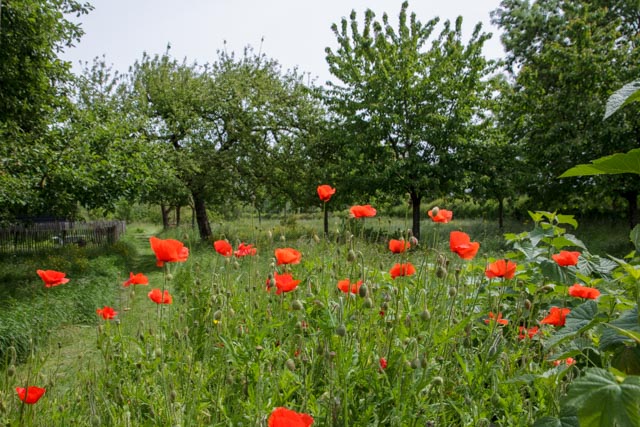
(341, 330)
(297, 305)
(290, 365)
(363, 291)
(351, 255)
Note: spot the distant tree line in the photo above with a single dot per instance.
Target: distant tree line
(415, 113)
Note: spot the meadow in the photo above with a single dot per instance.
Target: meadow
(363, 327)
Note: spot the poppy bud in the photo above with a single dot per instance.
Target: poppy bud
(290, 365)
(297, 305)
(425, 315)
(169, 276)
(11, 371)
(437, 381)
(407, 320)
(269, 234)
(351, 255)
(259, 348)
(316, 238)
(282, 238)
(217, 315)
(415, 363)
(368, 303)
(547, 288)
(363, 291)
(441, 272)
(452, 291)
(341, 330)
(236, 265)
(527, 304)
(413, 241)
(172, 396)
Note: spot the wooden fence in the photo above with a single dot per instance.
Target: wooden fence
(44, 236)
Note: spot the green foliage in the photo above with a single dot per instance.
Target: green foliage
(624, 96)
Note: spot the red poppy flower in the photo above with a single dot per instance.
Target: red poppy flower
(283, 417)
(579, 291)
(498, 319)
(168, 250)
(106, 312)
(402, 270)
(383, 363)
(346, 286)
(136, 279)
(557, 316)
(501, 268)
(244, 250)
(398, 246)
(524, 332)
(288, 256)
(31, 395)
(223, 247)
(52, 278)
(157, 296)
(440, 215)
(568, 361)
(325, 192)
(284, 283)
(566, 258)
(461, 244)
(362, 211)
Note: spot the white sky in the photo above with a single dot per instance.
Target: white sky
(295, 32)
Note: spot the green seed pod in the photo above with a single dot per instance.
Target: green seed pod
(363, 291)
(426, 314)
(452, 292)
(290, 365)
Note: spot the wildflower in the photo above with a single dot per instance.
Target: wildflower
(283, 283)
(52, 278)
(31, 394)
(499, 320)
(461, 244)
(288, 256)
(244, 250)
(223, 247)
(325, 192)
(440, 215)
(168, 250)
(568, 361)
(346, 286)
(136, 279)
(501, 268)
(359, 211)
(524, 332)
(383, 363)
(566, 258)
(398, 246)
(402, 270)
(106, 312)
(579, 291)
(157, 296)
(557, 316)
(283, 417)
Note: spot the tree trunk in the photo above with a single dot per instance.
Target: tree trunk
(201, 216)
(178, 216)
(415, 203)
(165, 215)
(632, 208)
(501, 212)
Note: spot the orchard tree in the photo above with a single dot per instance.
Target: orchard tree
(409, 103)
(34, 85)
(564, 59)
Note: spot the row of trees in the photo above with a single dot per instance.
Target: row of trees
(416, 111)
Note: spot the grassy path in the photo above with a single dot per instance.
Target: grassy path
(73, 348)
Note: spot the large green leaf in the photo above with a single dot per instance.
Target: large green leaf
(567, 418)
(603, 401)
(627, 321)
(634, 236)
(623, 96)
(580, 319)
(608, 165)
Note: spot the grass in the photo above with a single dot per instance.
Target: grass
(226, 352)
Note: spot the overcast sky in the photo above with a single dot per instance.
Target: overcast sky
(295, 32)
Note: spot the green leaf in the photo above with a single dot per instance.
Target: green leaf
(627, 360)
(608, 165)
(567, 219)
(634, 236)
(602, 401)
(567, 418)
(627, 321)
(625, 95)
(580, 319)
